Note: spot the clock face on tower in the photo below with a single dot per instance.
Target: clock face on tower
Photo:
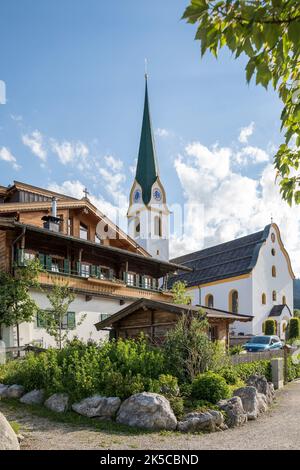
(157, 194)
(137, 195)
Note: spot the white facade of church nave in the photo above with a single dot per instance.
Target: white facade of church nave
(252, 288)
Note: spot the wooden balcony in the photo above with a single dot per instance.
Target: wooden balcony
(104, 287)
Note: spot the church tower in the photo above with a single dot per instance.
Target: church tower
(148, 213)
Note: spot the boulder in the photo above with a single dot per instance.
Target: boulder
(210, 421)
(262, 386)
(262, 402)
(235, 415)
(3, 389)
(59, 402)
(35, 397)
(147, 410)
(14, 391)
(98, 407)
(8, 438)
(250, 400)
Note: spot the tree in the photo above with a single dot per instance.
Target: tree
(188, 349)
(180, 295)
(294, 328)
(268, 33)
(16, 303)
(270, 327)
(55, 320)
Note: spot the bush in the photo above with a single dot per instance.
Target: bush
(246, 369)
(177, 405)
(189, 351)
(230, 374)
(270, 327)
(211, 387)
(117, 368)
(294, 328)
(168, 385)
(237, 349)
(293, 370)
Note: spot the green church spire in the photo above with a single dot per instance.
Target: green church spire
(147, 168)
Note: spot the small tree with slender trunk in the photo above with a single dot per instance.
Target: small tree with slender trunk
(60, 297)
(16, 303)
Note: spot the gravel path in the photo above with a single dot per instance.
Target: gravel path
(279, 428)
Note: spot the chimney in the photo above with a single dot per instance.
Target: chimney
(51, 222)
(54, 207)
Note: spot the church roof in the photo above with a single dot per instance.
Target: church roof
(277, 310)
(226, 260)
(147, 167)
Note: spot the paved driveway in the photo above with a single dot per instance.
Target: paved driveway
(279, 428)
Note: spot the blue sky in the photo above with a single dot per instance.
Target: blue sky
(74, 72)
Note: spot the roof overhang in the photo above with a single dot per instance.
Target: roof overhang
(161, 268)
(210, 313)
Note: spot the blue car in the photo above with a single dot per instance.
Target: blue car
(263, 343)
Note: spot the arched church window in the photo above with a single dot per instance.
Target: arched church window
(283, 300)
(273, 271)
(273, 238)
(274, 295)
(264, 299)
(137, 226)
(157, 226)
(273, 251)
(234, 301)
(209, 300)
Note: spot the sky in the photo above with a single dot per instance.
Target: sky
(74, 76)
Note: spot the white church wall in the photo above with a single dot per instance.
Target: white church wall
(264, 282)
(30, 332)
(221, 293)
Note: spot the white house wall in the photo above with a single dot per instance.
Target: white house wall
(29, 332)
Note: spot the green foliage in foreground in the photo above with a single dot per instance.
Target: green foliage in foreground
(211, 387)
(119, 368)
(267, 32)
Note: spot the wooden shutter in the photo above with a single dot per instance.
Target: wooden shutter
(66, 266)
(93, 270)
(42, 259)
(48, 263)
(71, 321)
(78, 268)
(111, 274)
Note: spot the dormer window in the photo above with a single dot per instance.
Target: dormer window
(83, 231)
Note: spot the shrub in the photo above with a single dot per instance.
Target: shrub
(246, 369)
(294, 328)
(177, 405)
(168, 385)
(270, 327)
(230, 374)
(189, 351)
(237, 349)
(118, 368)
(293, 370)
(210, 386)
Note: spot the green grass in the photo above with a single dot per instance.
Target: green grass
(72, 418)
(16, 426)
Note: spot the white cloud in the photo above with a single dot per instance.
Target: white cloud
(68, 152)
(115, 164)
(7, 156)
(251, 154)
(16, 117)
(233, 204)
(75, 188)
(246, 132)
(160, 132)
(35, 142)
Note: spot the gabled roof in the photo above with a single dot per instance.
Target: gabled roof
(278, 309)
(226, 260)
(170, 307)
(147, 167)
(63, 202)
